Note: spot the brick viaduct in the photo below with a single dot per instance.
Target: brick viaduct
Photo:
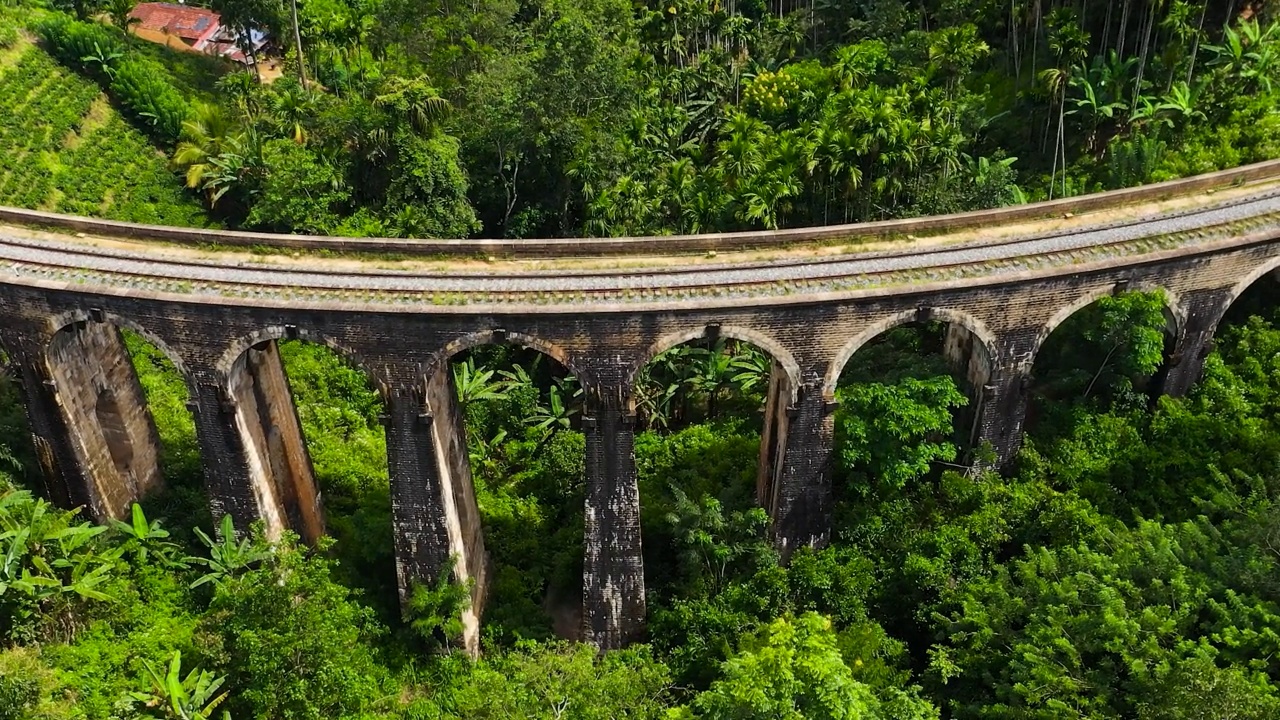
(65, 299)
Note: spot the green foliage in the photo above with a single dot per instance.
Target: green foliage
(294, 643)
(173, 697)
(434, 613)
(892, 434)
(1122, 615)
(1102, 356)
(793, 669)
(300, 190)
(50, 568)
(228, 557)
(28, 687)
(64, 151)
(146, 540)
(563, 682)
(339, 412)
(141, 86)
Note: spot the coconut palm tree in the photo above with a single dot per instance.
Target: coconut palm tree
(206, 134)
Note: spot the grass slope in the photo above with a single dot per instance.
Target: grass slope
(63, 148)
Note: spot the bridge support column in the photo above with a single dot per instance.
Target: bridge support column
(280, 473)
(64, 483)
(1001, 413)
(1185, 363)
(433, 501)
(110, 451)
(794, 481)
(613, 569)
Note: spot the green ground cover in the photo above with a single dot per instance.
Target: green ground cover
(63, 148)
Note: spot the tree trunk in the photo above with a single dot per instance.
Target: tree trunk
(1195, 46)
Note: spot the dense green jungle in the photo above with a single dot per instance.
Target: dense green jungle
(1126, 566)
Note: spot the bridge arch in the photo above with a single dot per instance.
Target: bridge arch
(236, 349)
(63, 321)
(498, 336)
(113, 438)
(986, 340)
(1269, 266)
(776, 351)
(1174, 315)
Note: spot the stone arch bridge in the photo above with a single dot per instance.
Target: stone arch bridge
(399, 309)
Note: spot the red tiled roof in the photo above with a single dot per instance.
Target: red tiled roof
(188, 23)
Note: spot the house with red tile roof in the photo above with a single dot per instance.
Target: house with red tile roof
(190, 28)
(176, 25)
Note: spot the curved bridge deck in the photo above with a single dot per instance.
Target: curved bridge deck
(110, 265)
(1001, 280)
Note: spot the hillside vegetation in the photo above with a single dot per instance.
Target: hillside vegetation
(63, 148)
(1125, 566)
(520, 118)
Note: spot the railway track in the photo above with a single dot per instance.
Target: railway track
(71, 264)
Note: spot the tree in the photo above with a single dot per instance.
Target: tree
(301, 190)
(891, 435)
(792, 669)
(297, 645)
(563, 682)
(434, 613)
(120, 12)
(208, 137)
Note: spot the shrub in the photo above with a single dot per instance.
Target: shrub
(147, 94)
(142, 86)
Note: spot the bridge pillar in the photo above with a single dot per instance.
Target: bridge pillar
(433, 501)
(95, 436)
(279, 475)
(613, 569)
(1001, 413)
(60, 471)
(1193, 342)
(794, 480)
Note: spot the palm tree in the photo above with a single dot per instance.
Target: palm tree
(207, 133)
(291, 105)
(413, 101)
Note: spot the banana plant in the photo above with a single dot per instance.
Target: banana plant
(227, 558)
(474, 384)
(147, 540)
(195, 697)
(558, 414)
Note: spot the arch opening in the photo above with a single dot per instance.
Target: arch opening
(183, 503)
(516, 459)
(1109, 353)
(311, 418)
(910, 399)
(711, 410)
(20, 461)
(1257, 296)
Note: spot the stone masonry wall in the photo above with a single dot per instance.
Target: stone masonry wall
(271, 436)
(105, 414)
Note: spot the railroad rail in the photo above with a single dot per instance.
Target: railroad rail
(70, 263)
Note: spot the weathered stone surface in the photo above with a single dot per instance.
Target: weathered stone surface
(97, 446)
(104, 413)
(280, 473)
